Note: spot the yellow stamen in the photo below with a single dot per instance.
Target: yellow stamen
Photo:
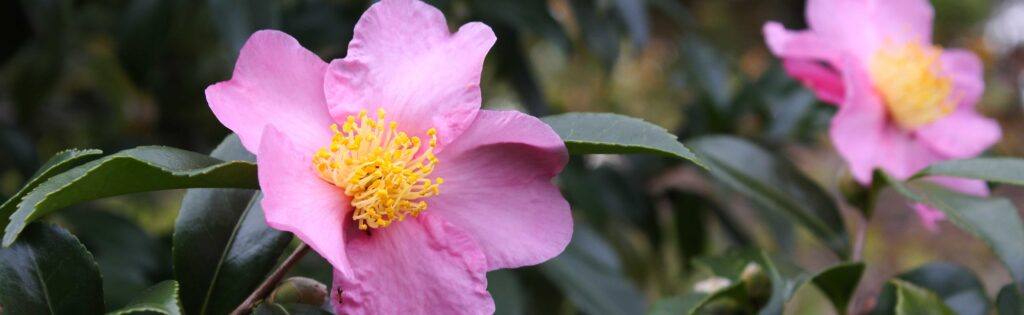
(909, 77)
(380, 168)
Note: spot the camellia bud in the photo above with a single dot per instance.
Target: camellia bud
(299, 290)
(759, 286)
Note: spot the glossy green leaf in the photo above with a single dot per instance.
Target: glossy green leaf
(162, 298)
(694, 303)
(776, 184)
(994, 220)
(288, 309)
(588, 273)
(914, 300)
(587, 133)
(223, 247)
(60, 162)
(49, 272)
(135, 170)
(1010, 300)
(998, 170)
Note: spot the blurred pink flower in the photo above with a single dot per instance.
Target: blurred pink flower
(411, 226)
(903, 102)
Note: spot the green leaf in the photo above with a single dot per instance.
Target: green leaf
(288, 309)
(838, 282)
(998, 170)
(957, 286)
(994, 220)
(162, 298)
(775, 184)
(914, 300)
(1010, 300)
(59, 163)
(709, 70)
(693, 303)
(135, 170)
(49, 272)
(223, 247)
(590, 275)
(587, 133)
(601, 36)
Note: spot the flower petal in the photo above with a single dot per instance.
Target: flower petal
(962, 134)
(859, 26)
(422, 265)
(968, 78)
(403, 59)
(860, 126)
(296, 200)
(929, 216)
(498, 189)
(802, 45)
(825, 82)
(275, 82)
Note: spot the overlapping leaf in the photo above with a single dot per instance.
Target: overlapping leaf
(135, 170)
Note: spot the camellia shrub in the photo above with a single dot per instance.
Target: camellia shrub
(376, 183)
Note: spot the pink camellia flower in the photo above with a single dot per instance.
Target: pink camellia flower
(903, 102)
(384, 163)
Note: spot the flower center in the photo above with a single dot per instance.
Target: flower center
(380, 167)
(910, 80)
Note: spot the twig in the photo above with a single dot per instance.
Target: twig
(267, 285)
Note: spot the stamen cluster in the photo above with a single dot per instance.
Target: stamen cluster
(380, 168)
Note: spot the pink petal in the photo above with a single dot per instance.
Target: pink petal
(498, 189)
(422, 265)
(962, 134)
(276, 82)
(860, 26)
(825, 82)
(296, 200)
(967, 72)
(929, 216)
(801, 45)
(860, 127)
(404, 59)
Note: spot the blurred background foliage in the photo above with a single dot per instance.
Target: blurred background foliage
(116, 74)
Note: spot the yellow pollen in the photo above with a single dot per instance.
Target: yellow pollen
(910, 79)
(380, 168)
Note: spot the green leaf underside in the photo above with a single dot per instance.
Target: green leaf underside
(994, 220)
(222, 245)
(775, 184)
(914, 300)
(997, 170)
(60, 162)
(606, 133)
(135, 170)
(49, 272)
(162, 298)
